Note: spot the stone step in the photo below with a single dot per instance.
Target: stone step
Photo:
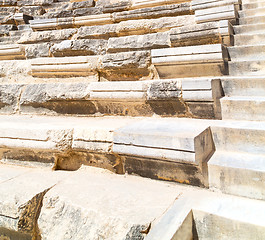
(197, 97)
(243, 108)
(247, 67)
(260, 11)
(255, 28)
(166, 149)
(244, 86)
(253, 5)
(243, 52)
(241, 174)
(211, 216)
(252, 20)
(237, 166)
(150, 147)
(254, 38)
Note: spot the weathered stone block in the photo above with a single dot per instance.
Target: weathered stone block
(139, 59)
(34, 2)
(153, 12)
(8, 3)
(100, 31)
(9, 94)
(65, 67)
(110, 6)
(46, 36)
(125, 66)
(87, 11)
(79, 47)
(140, 42)
(11, 52)
(82, 4)
(4, 29)
(7, 10)
(37, 50)
(164, 90)
(32, 10)
(93, 20)
(63, 98)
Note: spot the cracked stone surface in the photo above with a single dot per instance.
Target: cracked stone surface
(90, 203)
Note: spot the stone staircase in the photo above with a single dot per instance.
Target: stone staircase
(168, 90)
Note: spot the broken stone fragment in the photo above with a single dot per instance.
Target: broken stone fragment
(79, 47)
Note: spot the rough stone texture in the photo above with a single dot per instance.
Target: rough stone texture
(46, 36)
(79, 47)
(87, 11)
(32, 10)
(126, 65)
(82, 4)
(19, 196)
(34, 2)
(37, 50)
(110, 6)
(56, 97)
(130, 27)
(164, 90)
(153, 12)
(9, 95)
(5, 29)
(140, 59)
(142, 42)
(115, 220)
(14, 71)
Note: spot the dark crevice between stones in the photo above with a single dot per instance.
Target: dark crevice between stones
(28, 221)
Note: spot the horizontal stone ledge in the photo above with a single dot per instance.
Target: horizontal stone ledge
(11, 52)
(227, 12)
(93, 20)
(153, 12)
(204, 4)
(136, 4)
(134, 27)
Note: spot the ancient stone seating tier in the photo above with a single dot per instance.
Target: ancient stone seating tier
(170, 90)
(100, 59)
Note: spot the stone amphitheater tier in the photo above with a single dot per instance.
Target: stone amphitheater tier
(165, 89)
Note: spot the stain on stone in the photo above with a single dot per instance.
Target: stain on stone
(6, 234)
(28, 221)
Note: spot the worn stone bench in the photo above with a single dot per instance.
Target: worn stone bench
(64, 67)
(202, 60)
(10, 52)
